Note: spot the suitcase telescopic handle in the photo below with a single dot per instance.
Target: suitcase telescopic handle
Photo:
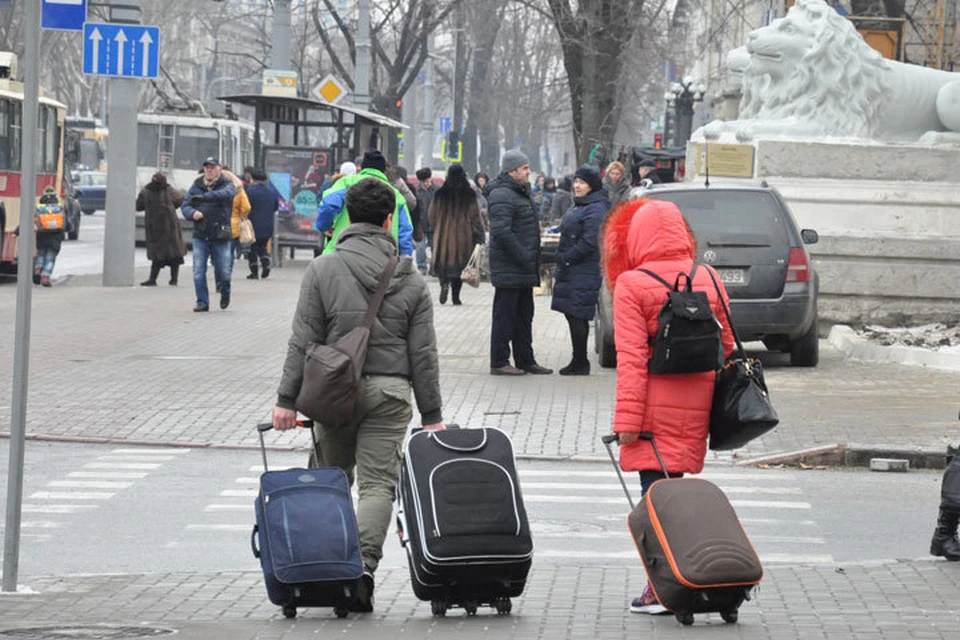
(263, 427)
(607, 441)
(610, 438)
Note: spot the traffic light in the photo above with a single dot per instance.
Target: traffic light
(658, 141)
(399, 103)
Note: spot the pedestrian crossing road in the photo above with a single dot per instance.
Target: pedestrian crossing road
(103, 509)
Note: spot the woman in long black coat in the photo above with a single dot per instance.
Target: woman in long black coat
(165, 248)
(577, 278)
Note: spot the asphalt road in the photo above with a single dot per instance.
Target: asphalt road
(124, 509)
(84, 256)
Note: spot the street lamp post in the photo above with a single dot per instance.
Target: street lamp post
(682, 96)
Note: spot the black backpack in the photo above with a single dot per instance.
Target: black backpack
(688, 339)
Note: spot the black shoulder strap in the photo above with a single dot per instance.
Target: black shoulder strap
(657, 278)
(374, 307)
(676, 284)
(726, 312)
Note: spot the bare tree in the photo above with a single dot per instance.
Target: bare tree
(594, 35)
(398, 32)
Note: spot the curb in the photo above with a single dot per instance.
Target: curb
(853, 455)
(853, 346)
(833, 455)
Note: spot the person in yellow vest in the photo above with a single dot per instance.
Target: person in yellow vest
(332, 212)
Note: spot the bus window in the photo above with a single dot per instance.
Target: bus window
(193, 144)
(226, 154)
(49, 140)
(4, 135)
(246, 147)
(14, 112)
(148, 145)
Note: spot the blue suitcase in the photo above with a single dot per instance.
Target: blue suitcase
(309, 544)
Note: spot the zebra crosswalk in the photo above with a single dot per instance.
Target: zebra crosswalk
(581, 513)
(83, 492)
(578, 511)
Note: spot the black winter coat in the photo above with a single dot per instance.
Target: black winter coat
(577, 278)
(263, 206)
(217, 208)
(514, 235)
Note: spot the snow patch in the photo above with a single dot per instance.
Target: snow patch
(939, 337)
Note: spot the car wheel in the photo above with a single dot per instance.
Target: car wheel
(805, 351)
(89, 212)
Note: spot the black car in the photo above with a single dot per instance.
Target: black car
(750, 237)
(71, 207)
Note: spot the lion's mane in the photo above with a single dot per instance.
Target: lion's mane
(839, 82)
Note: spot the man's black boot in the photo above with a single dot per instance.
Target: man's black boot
(945, 542)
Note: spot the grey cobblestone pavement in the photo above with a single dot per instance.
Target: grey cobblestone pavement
(890, 601)
(136, 365)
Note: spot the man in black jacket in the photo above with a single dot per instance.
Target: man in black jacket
(209, 203)
(514, 267)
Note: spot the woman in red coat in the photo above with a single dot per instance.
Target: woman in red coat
(653, 234)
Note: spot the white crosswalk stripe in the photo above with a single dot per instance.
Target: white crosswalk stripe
(101, 480)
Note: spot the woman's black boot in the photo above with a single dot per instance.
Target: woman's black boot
(945, 542)
(456, 286)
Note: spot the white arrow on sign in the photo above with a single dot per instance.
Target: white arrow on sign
(95, 39)
(121, 39)
(146, 41)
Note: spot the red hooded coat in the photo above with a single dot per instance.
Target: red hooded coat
(653, 234)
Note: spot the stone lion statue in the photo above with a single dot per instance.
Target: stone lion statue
(811, 75)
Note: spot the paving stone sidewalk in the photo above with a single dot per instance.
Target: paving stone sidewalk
(899, 600)
(136, 365)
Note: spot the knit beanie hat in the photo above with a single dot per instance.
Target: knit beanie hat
(373, 159)
(512, 160)
(348, 168)
(591, 176)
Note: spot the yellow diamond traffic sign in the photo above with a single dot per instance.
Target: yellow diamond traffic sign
(330, 90)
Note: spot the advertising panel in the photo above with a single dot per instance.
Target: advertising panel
(297, 173)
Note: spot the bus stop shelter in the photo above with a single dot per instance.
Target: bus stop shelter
(300, 143)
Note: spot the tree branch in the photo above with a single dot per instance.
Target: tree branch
(334, 58)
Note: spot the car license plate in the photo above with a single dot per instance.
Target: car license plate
(731, 276)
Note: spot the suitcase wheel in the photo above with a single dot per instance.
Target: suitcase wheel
(684, 617)
(470, 606)
(729, 616)
(503, 605)
(438, 608)
(289, 611)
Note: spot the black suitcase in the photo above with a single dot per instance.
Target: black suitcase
(462, 521)
(697, 556)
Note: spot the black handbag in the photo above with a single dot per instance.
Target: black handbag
(741, 410)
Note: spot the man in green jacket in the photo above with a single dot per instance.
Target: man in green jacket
(402, 352)
(332, 212)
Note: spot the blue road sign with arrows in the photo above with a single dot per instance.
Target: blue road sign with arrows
(68, 15)
(124, 50)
